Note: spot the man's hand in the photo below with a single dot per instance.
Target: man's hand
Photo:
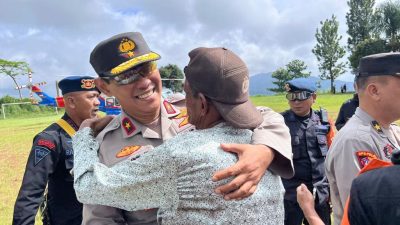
(253, 162)
(304, 198)
(306, 202)
(96, 124)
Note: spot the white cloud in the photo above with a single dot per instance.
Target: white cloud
(32, 31)
(56, 37)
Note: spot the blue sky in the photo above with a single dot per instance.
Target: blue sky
(56, 37)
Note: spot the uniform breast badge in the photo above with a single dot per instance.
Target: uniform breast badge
(128, 150)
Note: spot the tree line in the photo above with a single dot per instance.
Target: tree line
(371, 30)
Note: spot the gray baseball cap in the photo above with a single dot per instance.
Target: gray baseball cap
(223, 77)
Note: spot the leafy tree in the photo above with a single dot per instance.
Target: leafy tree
(328, 50)
(13, 69)
(293, 69)
(367, 47)
(172, 75)
(359, 21)
(296, 69)
(388, 22)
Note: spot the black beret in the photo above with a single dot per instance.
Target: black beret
(379, 65)
(121, 53)
(77, 83)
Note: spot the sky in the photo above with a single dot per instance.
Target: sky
(56, 37)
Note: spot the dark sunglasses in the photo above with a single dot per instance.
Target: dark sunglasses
(300, 96)
(133, 74)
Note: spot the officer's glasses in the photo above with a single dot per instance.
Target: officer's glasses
(133, 74)
(300, 96)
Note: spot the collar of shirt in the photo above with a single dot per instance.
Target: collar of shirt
(131, 127)
(70, 121)
(367, 119)
(363, 116)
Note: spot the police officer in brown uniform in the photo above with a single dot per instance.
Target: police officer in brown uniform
(128, 71)
(369, 133)
(51, 159)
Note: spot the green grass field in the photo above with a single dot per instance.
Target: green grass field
(17, 134)
(16, 140)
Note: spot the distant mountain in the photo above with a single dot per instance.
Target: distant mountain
(260, 84)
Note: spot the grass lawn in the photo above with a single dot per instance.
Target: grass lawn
(16, 140)
(16, 136)
(279, 103)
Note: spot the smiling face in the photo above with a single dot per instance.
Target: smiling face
(140, 99)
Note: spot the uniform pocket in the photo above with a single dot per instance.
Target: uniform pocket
(323, 144)
(295, 148)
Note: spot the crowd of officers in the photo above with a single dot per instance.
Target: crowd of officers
(324, 164)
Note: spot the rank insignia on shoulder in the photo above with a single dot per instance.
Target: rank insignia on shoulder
(183, 115)
(128, 126)
(377, 127)
(128, 150)
(364, 157)
(46, 143)
(168, 107)
(40, 153)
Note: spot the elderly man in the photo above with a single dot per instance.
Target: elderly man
(369, 134)
(51, 159)
(127, 70)
(311, 135)
(175, 177)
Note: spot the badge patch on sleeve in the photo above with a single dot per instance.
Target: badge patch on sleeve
(46, 143)
(364, 157)
(40, 153)
(388, 150)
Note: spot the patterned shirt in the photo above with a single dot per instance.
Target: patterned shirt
(176, 178)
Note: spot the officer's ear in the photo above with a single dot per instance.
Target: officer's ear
(102, 85)
(374, 87)
(314, 96)
(69, 100)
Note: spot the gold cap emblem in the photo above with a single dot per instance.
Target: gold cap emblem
(125, 47)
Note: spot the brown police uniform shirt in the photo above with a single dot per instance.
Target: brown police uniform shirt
(357, 143)
(123, 137)
(121, 140)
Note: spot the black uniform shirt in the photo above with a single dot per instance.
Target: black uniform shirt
(346, 111)
(50, 162)
(309, 145)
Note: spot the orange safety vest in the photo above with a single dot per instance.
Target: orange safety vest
(374, 164)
